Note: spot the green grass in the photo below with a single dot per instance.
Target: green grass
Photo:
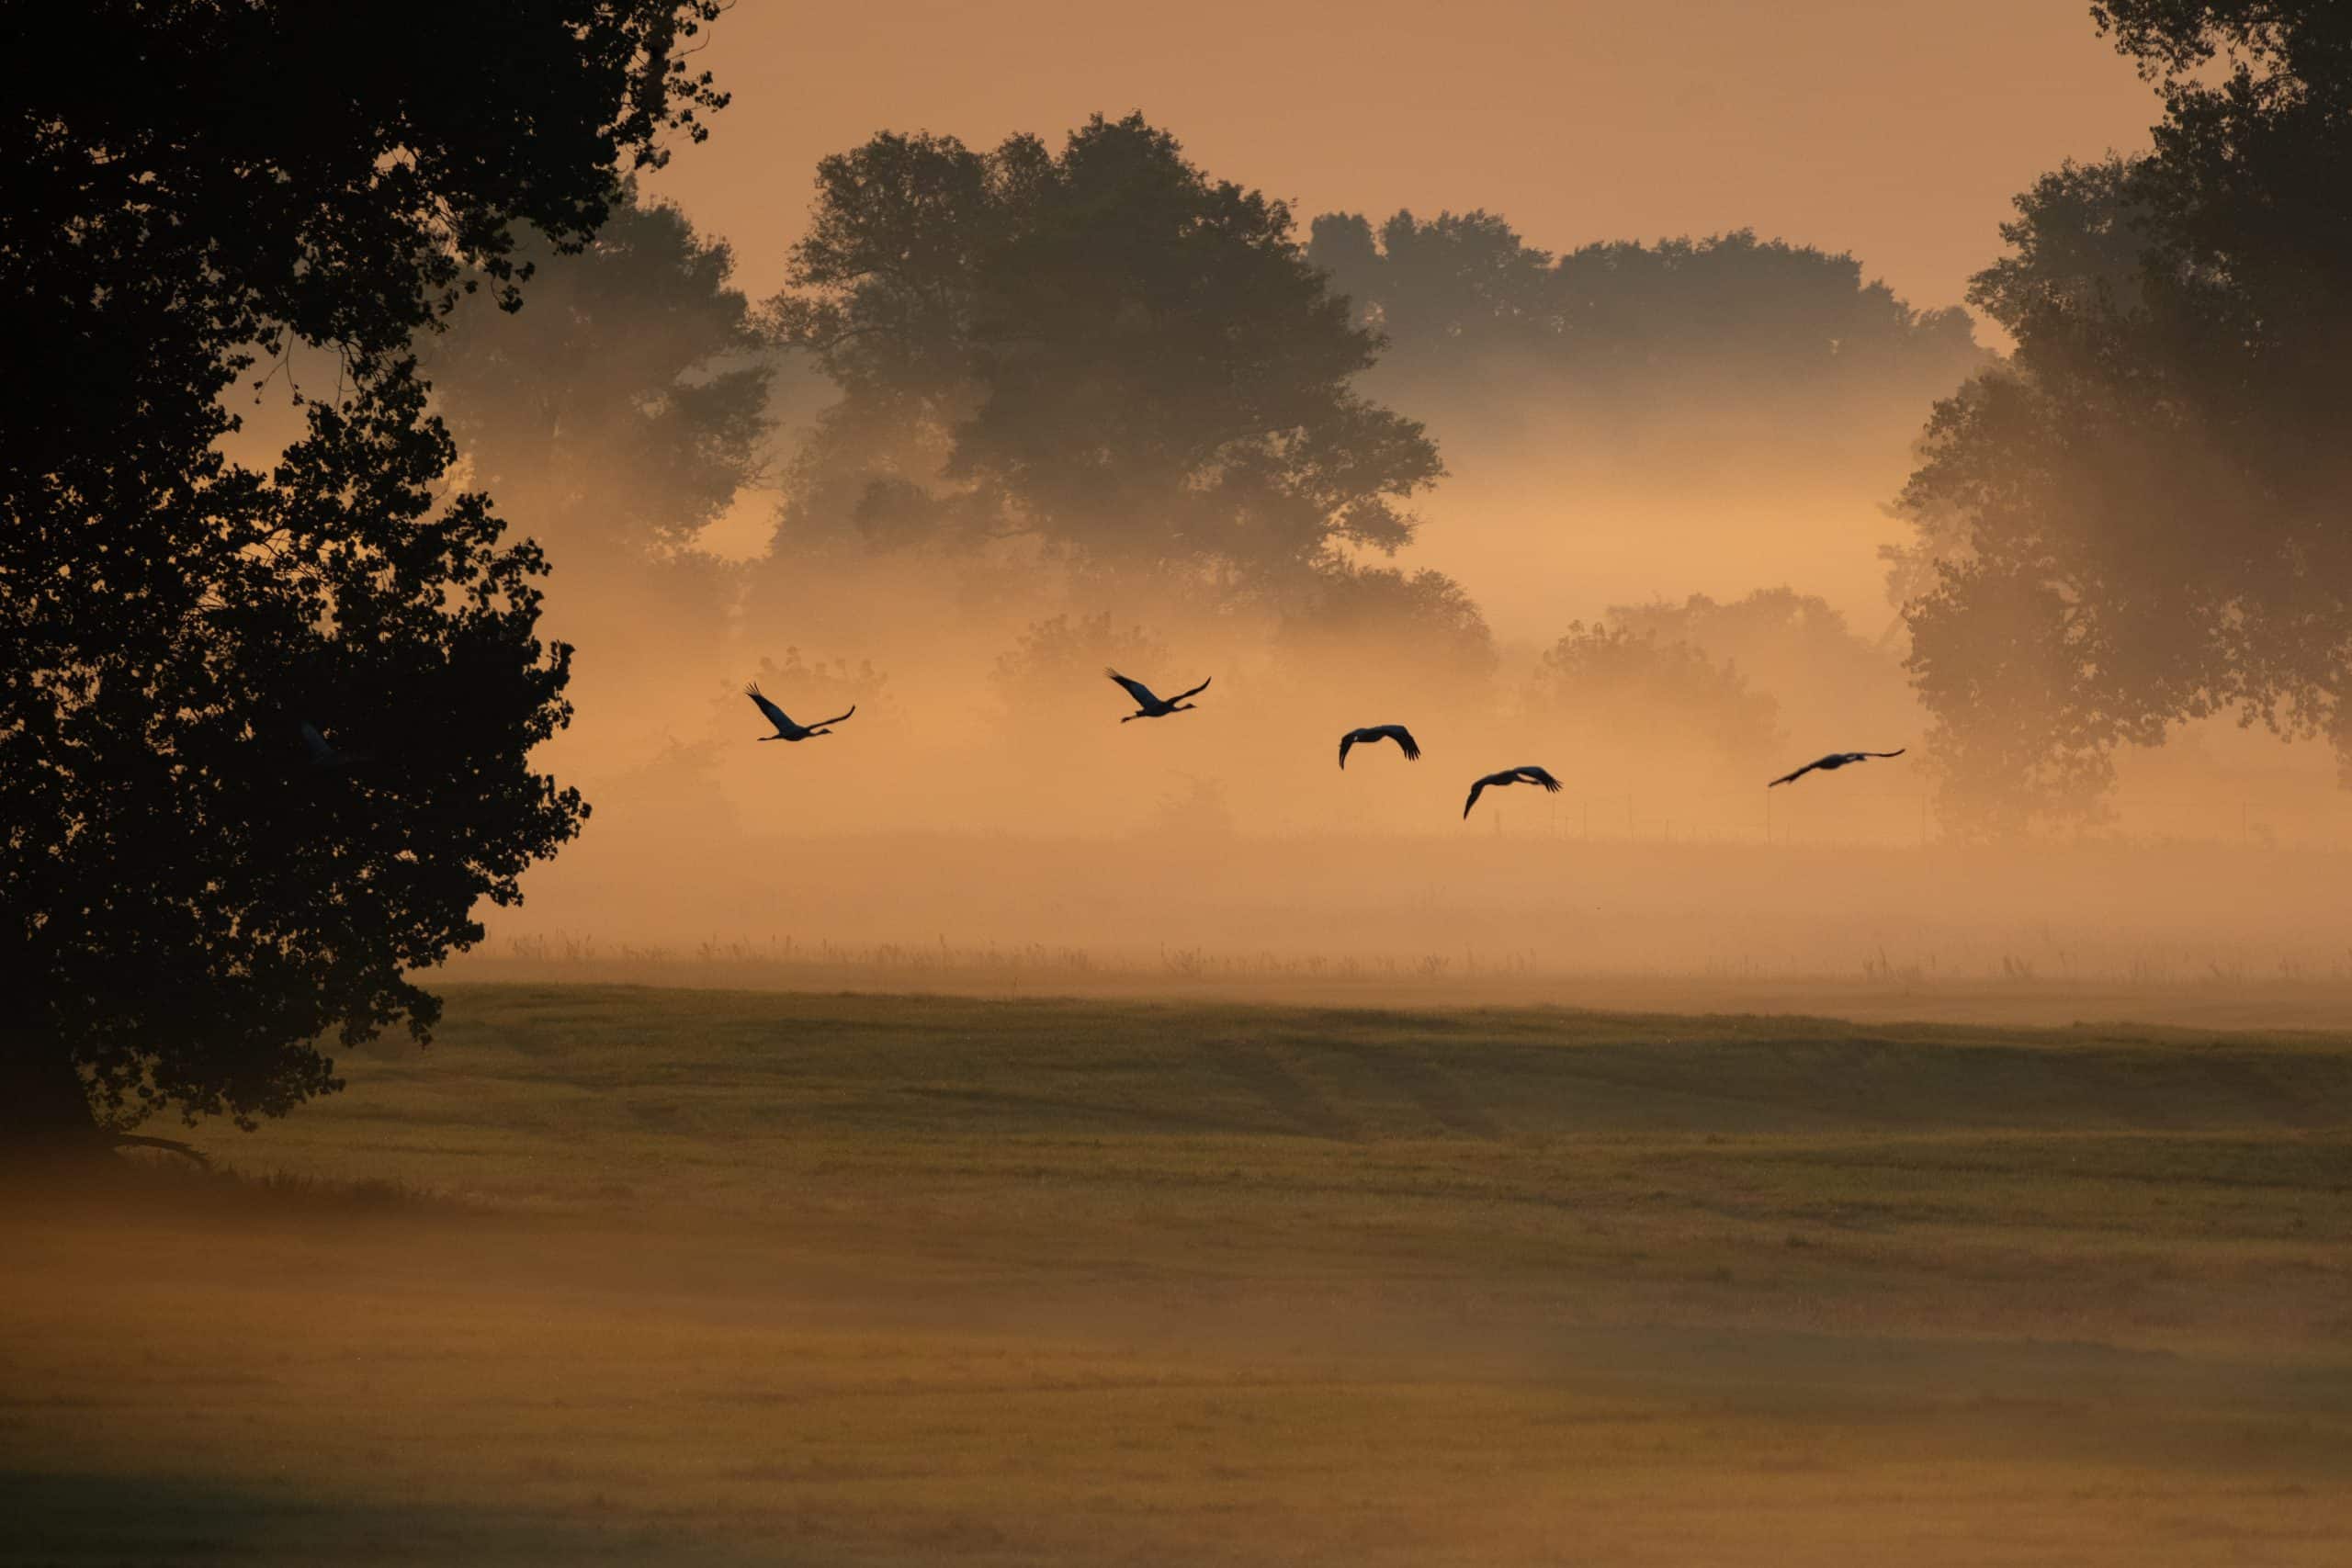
(732, 1277)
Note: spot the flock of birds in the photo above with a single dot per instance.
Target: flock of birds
(1149, 704)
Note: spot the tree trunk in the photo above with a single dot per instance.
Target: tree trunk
(44, 1106)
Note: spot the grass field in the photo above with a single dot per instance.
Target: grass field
(648, 1276)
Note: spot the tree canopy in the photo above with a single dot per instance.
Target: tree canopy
(622, 411)
(198, 887)
(2141, 519)
(1635, 693)
(1101, 349)
(1462, 296)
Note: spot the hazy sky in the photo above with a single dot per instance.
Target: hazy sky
(1895, 129)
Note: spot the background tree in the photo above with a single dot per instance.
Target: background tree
(1053, 672)
(615, 419)
(1458, 289)
(1380, 630)
(1465, 304)
(1627, 695)
(620, 414)
(1101, 350)
(1797, 649)
(1748, 401)
(191, 898)
(2141, 519)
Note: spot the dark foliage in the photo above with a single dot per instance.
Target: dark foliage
(1471, 310)
(2143, 518)
(620, 414)
(194, 889)
(1101, 349)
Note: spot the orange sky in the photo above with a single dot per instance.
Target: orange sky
(1895, 129)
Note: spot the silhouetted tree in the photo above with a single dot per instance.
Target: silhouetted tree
(1461, 287)
(1464, 301)
(2141, 519)
(620, 414)
(614, 420)
(196, 889)
(1390, 628)
(1798, 650)
(1101, 349)
(1055, 670)
(1635, 694)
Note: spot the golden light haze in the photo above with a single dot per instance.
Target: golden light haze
(969, 804)
(1897, 130)
(1851, 126)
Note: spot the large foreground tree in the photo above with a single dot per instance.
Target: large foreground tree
(2147, 516)
(263, 731)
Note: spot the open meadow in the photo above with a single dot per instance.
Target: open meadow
(636, 1275)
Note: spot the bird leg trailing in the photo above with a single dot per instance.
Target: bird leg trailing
(1150, 703)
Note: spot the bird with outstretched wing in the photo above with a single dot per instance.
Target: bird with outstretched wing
(1833, 761)
(784, 728)
(1370, 733)
(1510, 777)
(1149, 705)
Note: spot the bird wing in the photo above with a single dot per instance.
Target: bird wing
(1537, 775)
(1790, 778)
(1136, 689)
(1405, 742)
(1345, 741)
(1476, 790)
(1193, 693)
(822, 722)
(776, 716)
(320, 750)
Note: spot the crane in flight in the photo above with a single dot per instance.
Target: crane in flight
(784, 728)
(1150, 706)
(1833, 761)
(1370, 733)
(1510, 777)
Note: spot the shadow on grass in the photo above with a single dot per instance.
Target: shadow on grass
(159, 1184)
(67, 1517)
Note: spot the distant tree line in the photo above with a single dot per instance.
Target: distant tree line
(1469, 308)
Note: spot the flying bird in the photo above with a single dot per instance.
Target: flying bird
(1510, 777)
(1396, 732)
(1150, 706)
(784, 728)
(1835, 760)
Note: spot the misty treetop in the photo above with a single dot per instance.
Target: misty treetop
(1632, 692)
(1101, 349)
(2142, 518)
(623, 411)
(1463, 296)
(192, 895)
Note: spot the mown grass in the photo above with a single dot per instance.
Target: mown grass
(837, 1279)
